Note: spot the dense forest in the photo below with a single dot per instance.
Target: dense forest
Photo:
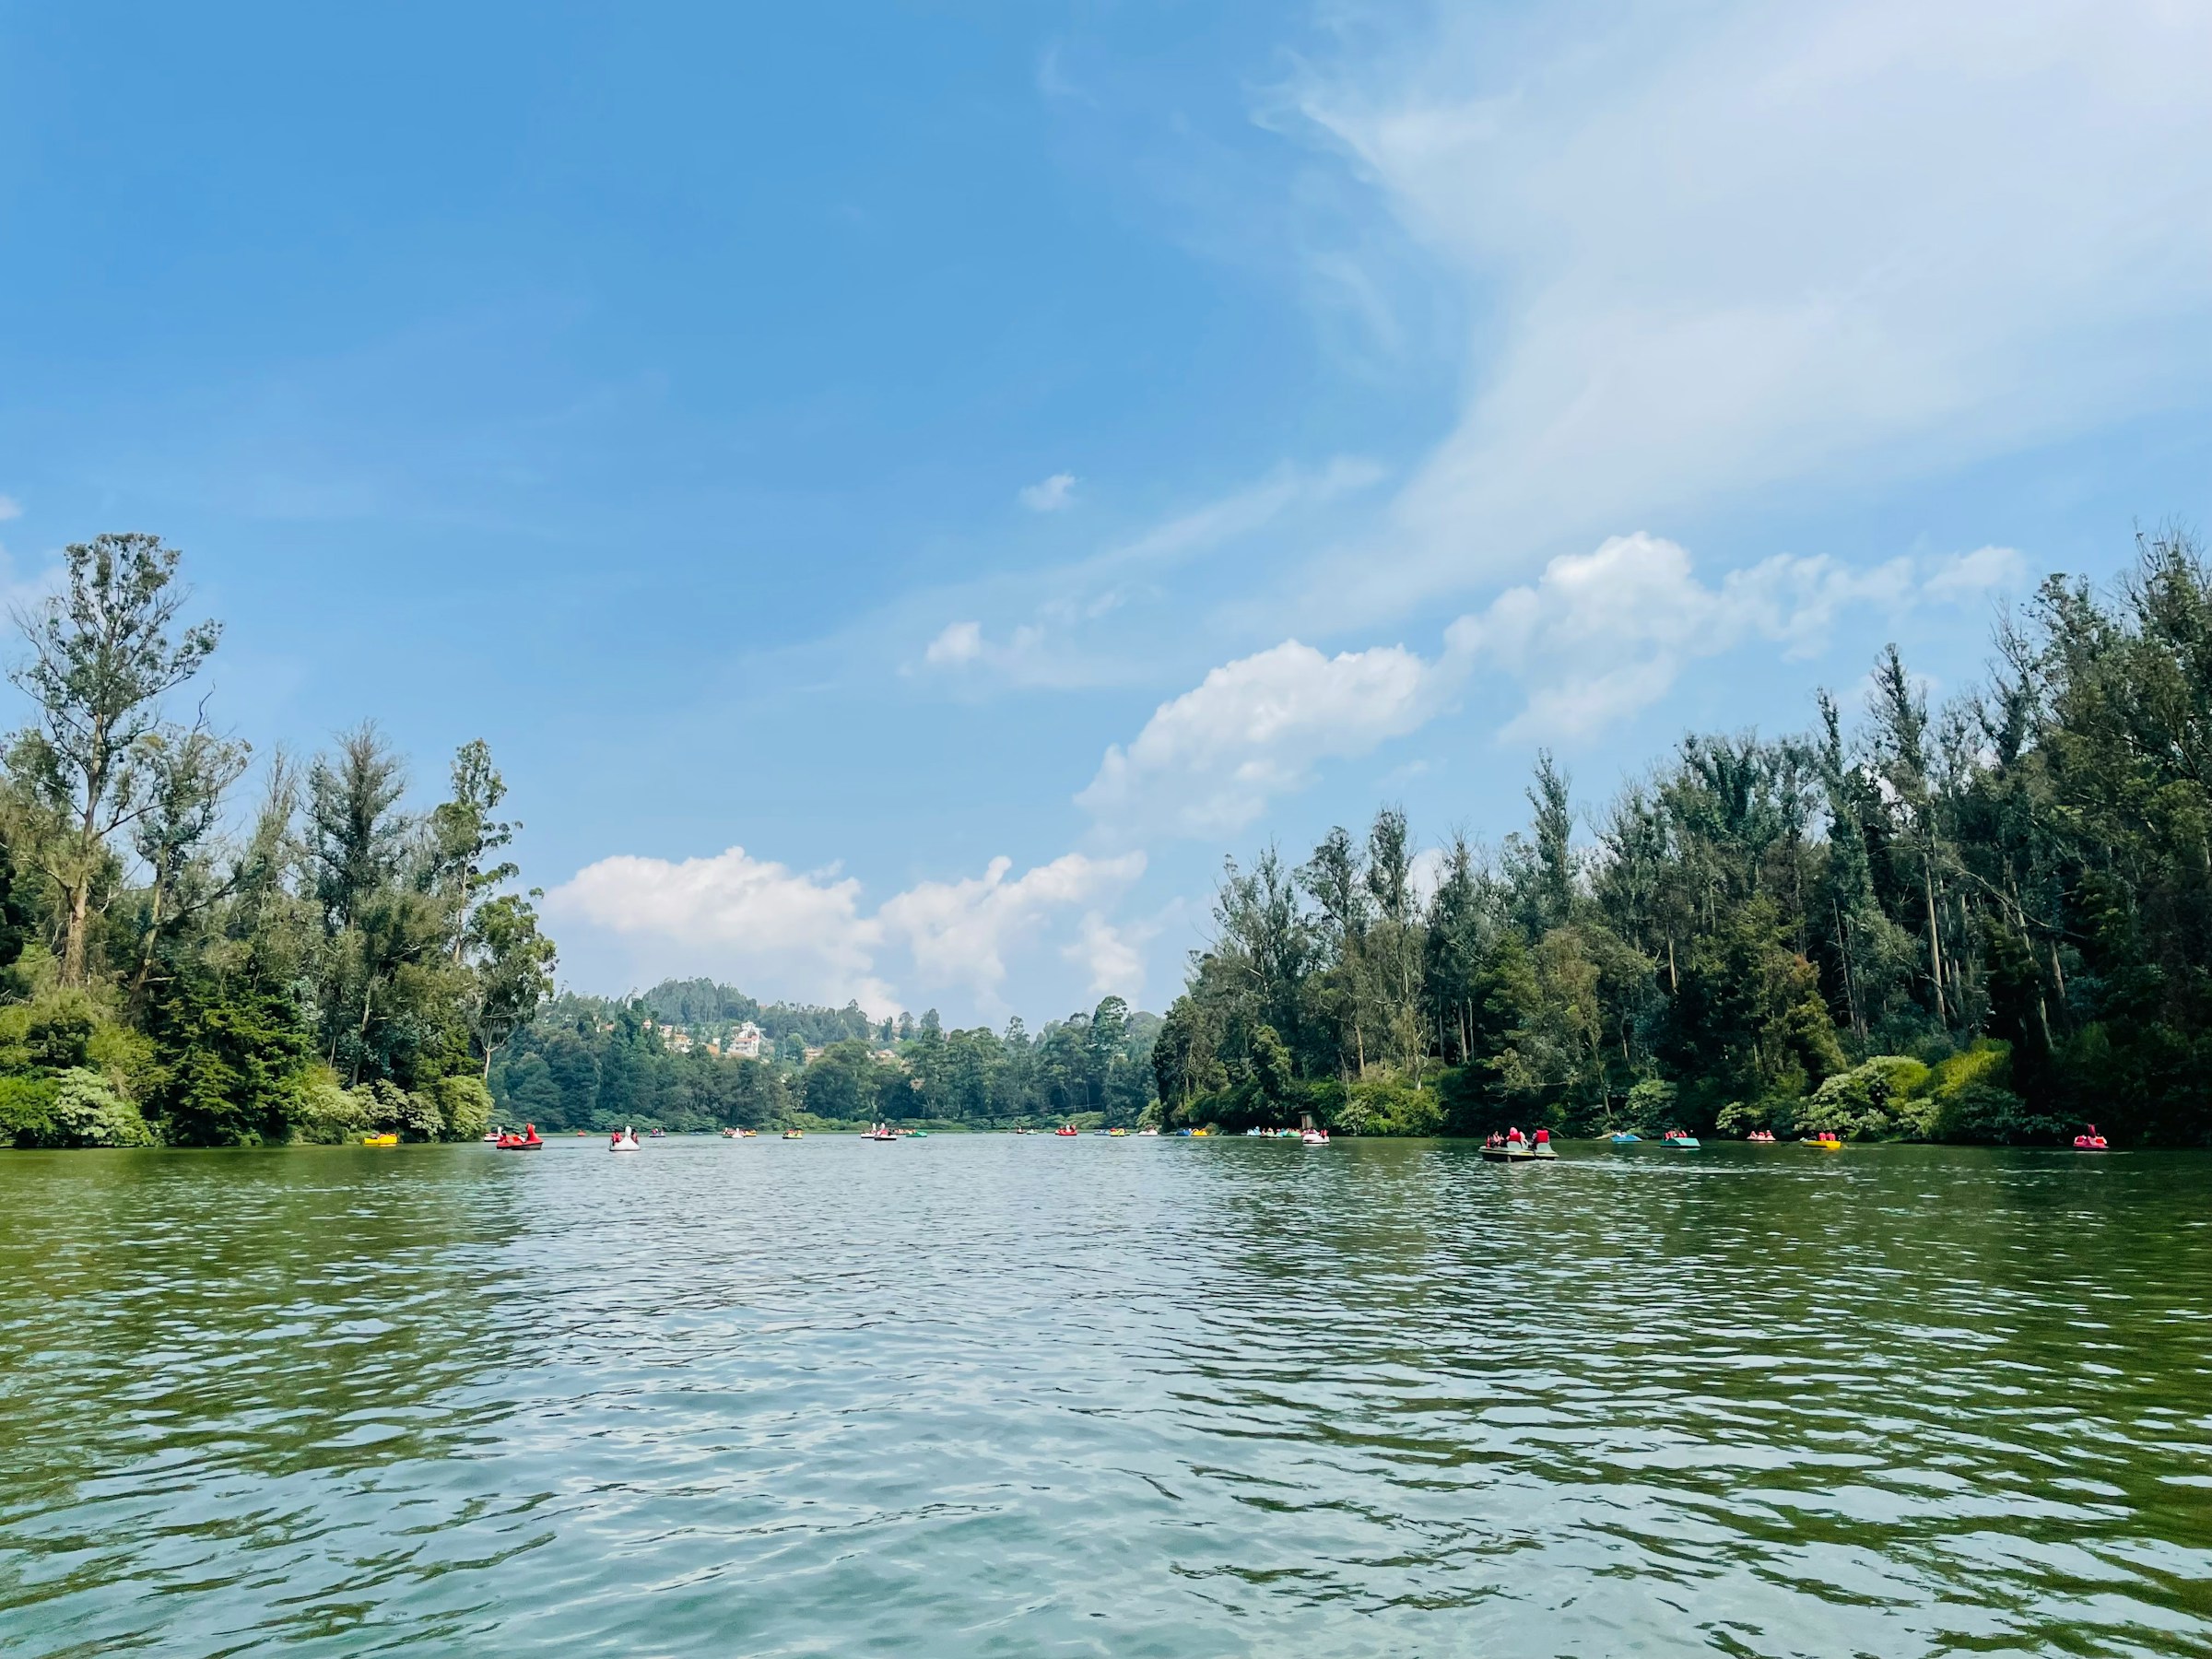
(1988, 922)
(335, 966)
(590, 1063)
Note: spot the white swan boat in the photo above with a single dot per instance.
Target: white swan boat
(625, 1142)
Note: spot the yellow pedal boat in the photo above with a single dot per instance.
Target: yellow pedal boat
(380, 1140)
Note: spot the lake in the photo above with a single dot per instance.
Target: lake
(998, 1396)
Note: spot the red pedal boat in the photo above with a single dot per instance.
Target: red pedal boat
(528, 1141)
(2091, 1142)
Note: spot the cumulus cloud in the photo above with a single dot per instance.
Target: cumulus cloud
(1599, 636)
(1207, 762)
(1111, 955)
(959, 932)
(745, 916)
(1050, 495)
(1604, 635)
(808, 935)
(1748, 245)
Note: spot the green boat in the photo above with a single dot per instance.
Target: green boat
(1681, 1143)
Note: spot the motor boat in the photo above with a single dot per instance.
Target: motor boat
(625, 1142)
(528, 1141)
(2091, 1142)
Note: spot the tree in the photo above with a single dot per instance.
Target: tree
(103, 654)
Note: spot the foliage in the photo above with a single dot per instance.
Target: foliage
(594, 1063)
(163, 978)
(1987, 921)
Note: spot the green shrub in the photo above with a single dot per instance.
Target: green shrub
(463, 1105)
(27, 1110)
(1869, 1100)
(1651, 1107)
(74, 1108)
(329, 1112)
(1388, 1103)
(1983, 1113)
(87, 1112)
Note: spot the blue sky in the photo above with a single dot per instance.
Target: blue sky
(905, 490)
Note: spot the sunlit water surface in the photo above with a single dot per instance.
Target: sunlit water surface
(991, 1396)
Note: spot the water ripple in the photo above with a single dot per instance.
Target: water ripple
(1003, 1396)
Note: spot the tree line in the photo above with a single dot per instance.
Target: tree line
(597, 1063)
(319, 964)
(1987, 921)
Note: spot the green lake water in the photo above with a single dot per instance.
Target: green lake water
(1022, 1396)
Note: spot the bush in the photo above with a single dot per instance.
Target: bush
(73, 1108)
(329, 1112)
(27, 1110)
(463, 1104)
(1983, 1113)
(1866, 1100)
(1651, 1108)
(1387, 1103)
(89, 1112)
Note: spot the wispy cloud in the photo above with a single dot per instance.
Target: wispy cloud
(1819, 245)
(1048, 495)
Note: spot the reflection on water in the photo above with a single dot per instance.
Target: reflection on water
(1023, 1397)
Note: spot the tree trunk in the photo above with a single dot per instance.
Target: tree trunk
(1927, 877)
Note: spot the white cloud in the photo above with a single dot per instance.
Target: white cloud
(960, 642)
(1598, 637)
(1603, 635)
(735, 914)
(1111, 956)
(1207, 762)
(959, 932)
(10, 508)
(801, 935)
(1050, 495)
(1972, 576)
(1816, 245)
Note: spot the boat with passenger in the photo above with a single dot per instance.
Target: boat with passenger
(1066, 1130)
(1681, 1140)
(1825, 1140)
(2091, 1142)
(1626, 1137)
(528, 1141)
(625, 1141)
(1510, 1148)
(1541, 1147)
(1759, 1137)
(386, 1139)
(794, 1134)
